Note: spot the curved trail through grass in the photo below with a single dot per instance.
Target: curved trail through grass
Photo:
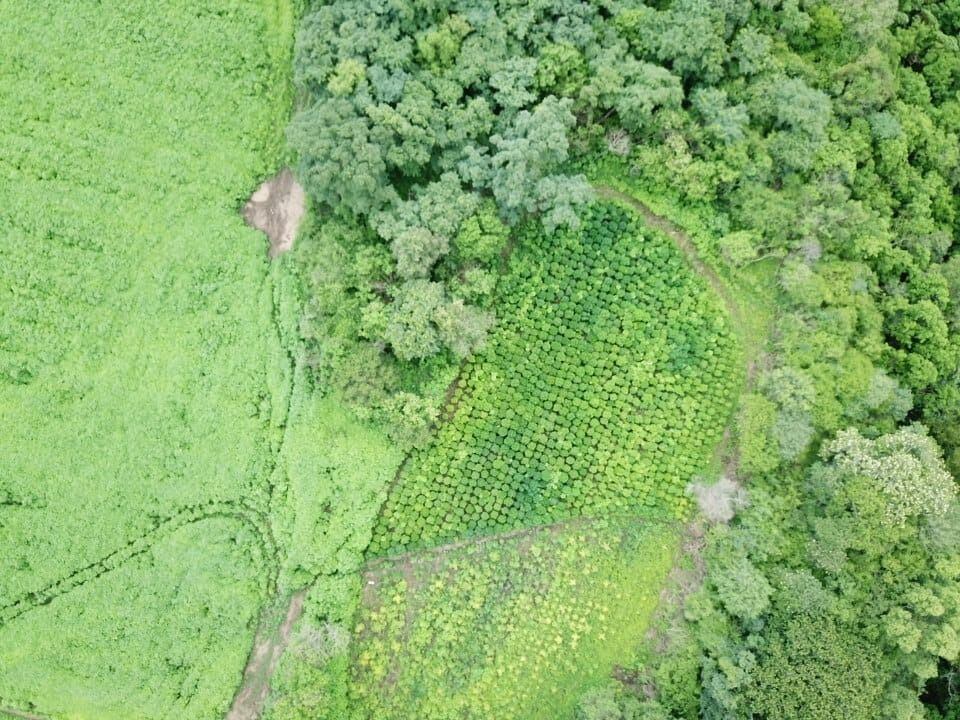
(603, 389)
(142, 381)
(734, 309)
(229, 510)
(13, 712)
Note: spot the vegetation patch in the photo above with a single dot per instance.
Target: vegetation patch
(510, 628)
(603, 390)
(163, 635)
(144, 389)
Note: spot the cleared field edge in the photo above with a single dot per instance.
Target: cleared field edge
(418, 567)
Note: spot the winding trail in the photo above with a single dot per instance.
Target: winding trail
(269, 645)
(686, 245)
(139, 545)
(264, 658)
(681, 581)
(374, 566)
(724, 450)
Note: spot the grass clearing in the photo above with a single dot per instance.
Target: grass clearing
(144, 388)
(511, 628)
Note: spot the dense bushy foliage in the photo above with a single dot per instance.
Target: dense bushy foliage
(817, 131)
(602, 390)
(868, 589)
(857, 577)
(417, 112)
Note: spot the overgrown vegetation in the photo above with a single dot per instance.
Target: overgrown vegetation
(139, 415)
(603, 390)
(511, 628)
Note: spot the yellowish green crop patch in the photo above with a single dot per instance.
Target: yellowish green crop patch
(513, 628)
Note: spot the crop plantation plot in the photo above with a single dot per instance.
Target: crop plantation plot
(513, 628)
(602, 391)
(141, 392)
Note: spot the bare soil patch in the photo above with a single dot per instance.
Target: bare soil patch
(276, 208)
(267, 649)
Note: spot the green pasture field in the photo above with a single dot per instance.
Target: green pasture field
(149, 481)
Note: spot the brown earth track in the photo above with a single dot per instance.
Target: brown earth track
(267, 650)
(23, 715)
(682, 581)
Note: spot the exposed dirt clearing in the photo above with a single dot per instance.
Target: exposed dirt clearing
(276, 208)
(268, 647)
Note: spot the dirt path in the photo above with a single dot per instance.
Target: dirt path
(20, 714)
(725, 450)
(268, 647)
(724, 447)
(374, 567)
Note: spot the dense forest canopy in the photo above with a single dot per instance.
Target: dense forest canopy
(823, 133)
